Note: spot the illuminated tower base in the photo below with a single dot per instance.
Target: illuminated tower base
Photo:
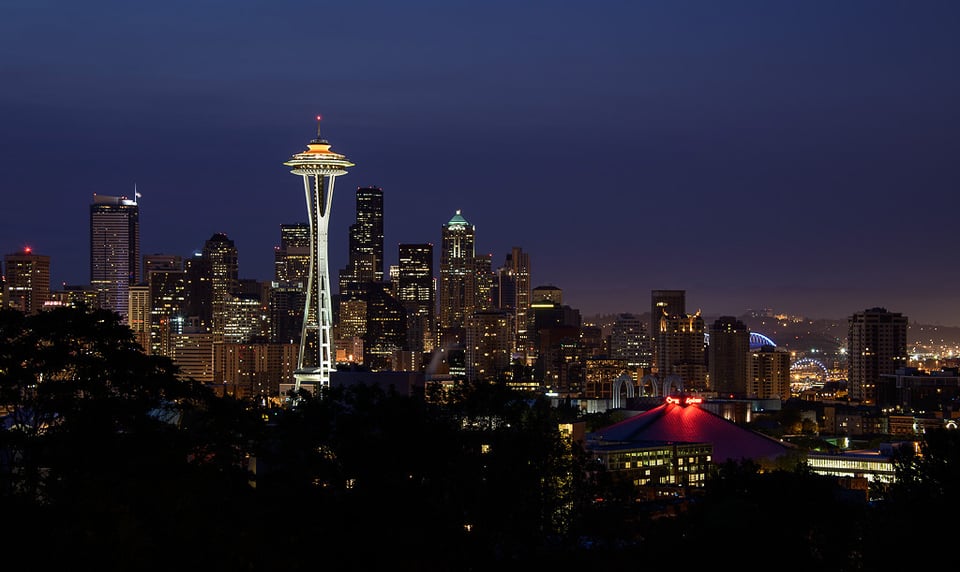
(319, 167)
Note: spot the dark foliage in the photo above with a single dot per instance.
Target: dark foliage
(109, 461)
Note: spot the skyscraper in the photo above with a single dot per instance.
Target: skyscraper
(513, 294)
(727, 356)
(319, 167)
(681, 349)
(456, 274)
(386, 326)
(878, 346)
(365, 263)
(288, 292)
(489, 345)
(629, 342)
(138, 314)
(482, 283)
(27, 281)
(415, 290)
(169, 291)
(664, 303)
(114, 250)
(768, 373)
(224, 266)
(291, 260)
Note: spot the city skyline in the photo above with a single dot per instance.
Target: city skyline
(798, 157)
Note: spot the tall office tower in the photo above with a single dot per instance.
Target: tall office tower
(556, 333)
(350, 330)
(285, 310)
(664, 303)
(386, 326)
(243, 320)
(291, 260)
(168, 299)
(27, 280)
(199, 291)
(114, 250)
(141, 309)
(727, 357)
(288, 292)
(365, 263)
(456, 274)
(681, 349)
(221, 253)
(138, 314)
(414, 287)
(489, 345)
(629, 342)
(768, 373)
(319, 167)
(482, 283)
(513, 294)
(546, 315)
(877, 346)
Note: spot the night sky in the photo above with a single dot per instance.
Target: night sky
(800, 156)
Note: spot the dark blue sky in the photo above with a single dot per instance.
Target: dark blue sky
(801, 156)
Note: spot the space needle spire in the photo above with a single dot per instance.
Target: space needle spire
(319, 167)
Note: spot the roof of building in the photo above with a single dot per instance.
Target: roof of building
(458, 220)
(674, 422)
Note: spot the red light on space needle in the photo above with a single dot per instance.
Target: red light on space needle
(319, 117)
(27, 250)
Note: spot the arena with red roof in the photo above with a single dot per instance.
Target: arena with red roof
(681, 420)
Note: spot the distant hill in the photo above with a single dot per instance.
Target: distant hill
(823, 335)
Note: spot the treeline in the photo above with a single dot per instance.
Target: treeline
(108, 461)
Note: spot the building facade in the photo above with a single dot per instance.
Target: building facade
(629, 342)
(768, 373)
(727, 357)
(365, 256)
(681, 349)
(457, 255)
(114, 250)
(27, 286)
(513, 292)
(664, 303)
(877, 342)
(489, 345)
(415, 290)
(223, 263)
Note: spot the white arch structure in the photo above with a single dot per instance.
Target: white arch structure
(617, 384)
(810, 361)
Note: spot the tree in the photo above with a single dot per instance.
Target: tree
(105, 449)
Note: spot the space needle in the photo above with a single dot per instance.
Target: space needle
(319, 167)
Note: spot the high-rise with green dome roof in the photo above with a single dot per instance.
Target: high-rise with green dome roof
(456, 272)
